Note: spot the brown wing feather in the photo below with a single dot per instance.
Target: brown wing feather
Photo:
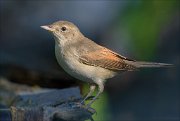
(106, 58)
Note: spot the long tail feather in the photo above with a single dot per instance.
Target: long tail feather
(141, 64)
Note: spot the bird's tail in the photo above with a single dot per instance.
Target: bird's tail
(141, 64)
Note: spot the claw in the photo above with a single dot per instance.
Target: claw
(90, 98)
(87, 107)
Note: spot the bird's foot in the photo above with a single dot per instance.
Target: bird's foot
(86, 107)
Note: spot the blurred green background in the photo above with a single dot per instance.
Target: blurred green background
(142, 30)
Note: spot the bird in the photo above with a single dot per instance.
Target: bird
(88, 61)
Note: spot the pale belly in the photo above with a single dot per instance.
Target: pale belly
(79, 70)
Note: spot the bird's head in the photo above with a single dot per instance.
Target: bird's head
(64, 31)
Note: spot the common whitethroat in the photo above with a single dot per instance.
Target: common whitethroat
(87, 61)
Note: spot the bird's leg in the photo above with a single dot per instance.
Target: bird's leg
(100, 90)
(92, 88)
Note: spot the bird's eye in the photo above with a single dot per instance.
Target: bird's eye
(63, 28)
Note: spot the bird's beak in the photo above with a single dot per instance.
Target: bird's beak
(48, 27)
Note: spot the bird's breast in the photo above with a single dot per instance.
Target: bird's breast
(69, 62)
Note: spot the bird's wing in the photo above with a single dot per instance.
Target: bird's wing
(106, 58)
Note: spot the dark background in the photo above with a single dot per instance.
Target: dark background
(141, 30)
